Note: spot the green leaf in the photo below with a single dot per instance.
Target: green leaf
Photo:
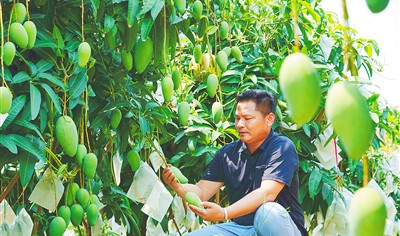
(77, 85)
(327, 193)
(109, 22)
(133, 7)
(53, 96)
(147, 6)
(30, 126)
(147, 24)
(36, 100)
(45, 44)
(20, 77)
(16, 106)
(156, 9)
(57, 35)
(7, 142)
(313, 183)
(26, 167)
(95, 7)
(28, 146)
(53, 79)
(144, 125)
(43, 66)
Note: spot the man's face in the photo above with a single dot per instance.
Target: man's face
(252, 125)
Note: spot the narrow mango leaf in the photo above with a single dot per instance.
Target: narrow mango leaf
(7, 142)
(26, 167)
(45, 44)
(43, 65)
(53, 79)
(147, 24)
(95, 7)
(57, 35)
(109, 22)
(147, 6)
(30, 126)
(313, 183)
(28, 146)
(327, 193)
(20, 77)
(43, 119)
(16, 106)
(133, 7)
(144, 125)
(53, 96)
(36, 100)
(77, 85)
(156, 9)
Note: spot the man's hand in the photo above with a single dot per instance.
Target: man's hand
(170, 179)
(211, 211)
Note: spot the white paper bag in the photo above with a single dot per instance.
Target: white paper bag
(7, 214)
(158, 202)
(142, 183)
(153, 229)
(117, 165)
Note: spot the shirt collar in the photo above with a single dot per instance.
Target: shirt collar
(262, 147)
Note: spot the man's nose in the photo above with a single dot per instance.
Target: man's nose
(240, 123)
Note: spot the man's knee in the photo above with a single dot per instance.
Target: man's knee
(270, 211)
(272, 219)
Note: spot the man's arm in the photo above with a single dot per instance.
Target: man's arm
(205, 189)
(267, 192)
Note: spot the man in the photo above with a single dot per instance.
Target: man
(260, 172)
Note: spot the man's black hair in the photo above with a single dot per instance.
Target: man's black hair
(265, 101)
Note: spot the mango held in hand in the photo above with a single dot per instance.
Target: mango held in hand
(5, 100)
(67, 135)
(237, 54)
(299, 83)
(84, 52)
(222, 60)
(133, 159)
(367, 213)
(65, 213)
(90, 165)
(167, 87)
(176, 78)
(224, 30)
(57, 226)
(193, 199)
(127, 60)
(183, 113)
(143, 54)
(77, 213)
(18, 13)
(30, 28)
(178, 175)
(116, 116)
(19, 35)
(197, 53)
(348, 111)
(217, 112)
(80, 153)
(70, 193)
(9, 53)
(377, 6)
(212, 85)
(92, 213)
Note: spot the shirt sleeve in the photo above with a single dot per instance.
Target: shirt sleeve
(215, 171)
(283, 164)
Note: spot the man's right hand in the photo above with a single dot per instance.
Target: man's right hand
(170, 179)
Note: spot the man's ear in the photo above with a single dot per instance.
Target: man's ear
(270, 119)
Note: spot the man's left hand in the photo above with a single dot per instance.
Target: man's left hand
(211, 211)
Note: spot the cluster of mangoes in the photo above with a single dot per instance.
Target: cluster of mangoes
(78, 201)
(345, 107)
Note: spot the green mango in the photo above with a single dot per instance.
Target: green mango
(367, 213)
(77, 214)
(183, 113)
(127, 60)
(299, 83)
(348, 112)
(30, 28)
(65, 213)
(167, 87)
(81, 152)
(19, 35)
(95, 200)
(180, 6)
(217, 112)
(82, 197)
(9, 53)
(5, 100)
(67, 135)
(197, 53)
(18, 13)
(212, 85)
(84, 52)
(57, 226)
(227, 50)
(237, 54)
(133, 159)
(116, 117)
(178, 175)
(143, 54)
(223, 30)
(193, 199)
(376, 6)
(176, 78)
(197, 9)
(70, 193)
(90, 166)
(92, 214)
(222, 60)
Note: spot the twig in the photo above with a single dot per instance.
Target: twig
(9, 187)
